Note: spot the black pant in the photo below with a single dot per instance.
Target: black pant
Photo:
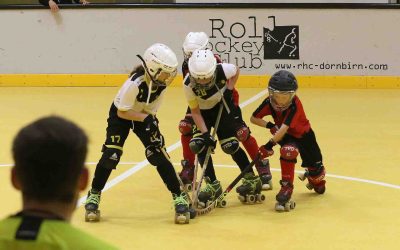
(310, 152)
(117, 132)
(226, 129)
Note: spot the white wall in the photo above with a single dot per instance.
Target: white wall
(107, 40)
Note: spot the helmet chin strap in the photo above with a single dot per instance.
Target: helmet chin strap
(151, 78)
(149, 92)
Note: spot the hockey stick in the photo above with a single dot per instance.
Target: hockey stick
(191, 210)
(196, 188)
(228, 110)
(177, 175)
(220, 198)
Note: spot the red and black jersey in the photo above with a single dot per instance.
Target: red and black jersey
(294, 116)
(185, 71)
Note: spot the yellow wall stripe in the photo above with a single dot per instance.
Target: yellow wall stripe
(245, 81)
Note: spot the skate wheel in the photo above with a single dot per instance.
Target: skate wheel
(209, 203)
(302, 176)
(287, 206)
(279, 207)
(309, 186)
(188, 187)
(182, 218)
(192, 213)
(292, 204)
(92, 216)
(201, 204)
(222, 203)
(267, 186)
(261, 197)
(251, 198)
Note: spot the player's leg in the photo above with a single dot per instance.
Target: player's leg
(243, 134)
(186, 128)
(312, 161)
(212, 188)
(156, 155)
(288, 155)
(117, 132)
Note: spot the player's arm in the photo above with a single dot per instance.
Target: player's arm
(127, 98)
(280, 133)
(258, 115)
(266, 150)
(194, 106)
(231, 73)
(290, 118)
(198, 119)
(258, 121)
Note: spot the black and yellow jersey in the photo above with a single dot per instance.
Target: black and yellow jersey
(208, 98)
(133, 95)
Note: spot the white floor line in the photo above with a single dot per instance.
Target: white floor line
(379, 183)
(6, 165)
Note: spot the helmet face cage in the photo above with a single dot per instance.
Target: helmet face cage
(200, 83)
(162, 77)
(194, 41)
(282, 88)
(161, 63)
(280, 100)
(202, 66)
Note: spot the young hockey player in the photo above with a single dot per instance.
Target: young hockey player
(293, 132)
(203, 87)
(135, 107)
(198, 41)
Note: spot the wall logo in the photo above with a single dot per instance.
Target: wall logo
(281, 42)
(243, 41)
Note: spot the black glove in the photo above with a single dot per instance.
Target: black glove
(151, 124)
(272, 127)
(228, 95)
(269, 145)
(209, 141)
(269, 125)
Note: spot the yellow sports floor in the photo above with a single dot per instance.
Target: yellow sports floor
(358, 132)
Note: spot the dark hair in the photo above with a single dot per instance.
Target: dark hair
(49, 156)
(138, 69)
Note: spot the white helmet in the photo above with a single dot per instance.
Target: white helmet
(194, 41)
(160, 58)
(202, 65)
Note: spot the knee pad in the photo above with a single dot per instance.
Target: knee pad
(196, 144)
(243, 133)
(230, 145)
(110, 158)
(186, 126)
(289, 152)
(155, 156)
